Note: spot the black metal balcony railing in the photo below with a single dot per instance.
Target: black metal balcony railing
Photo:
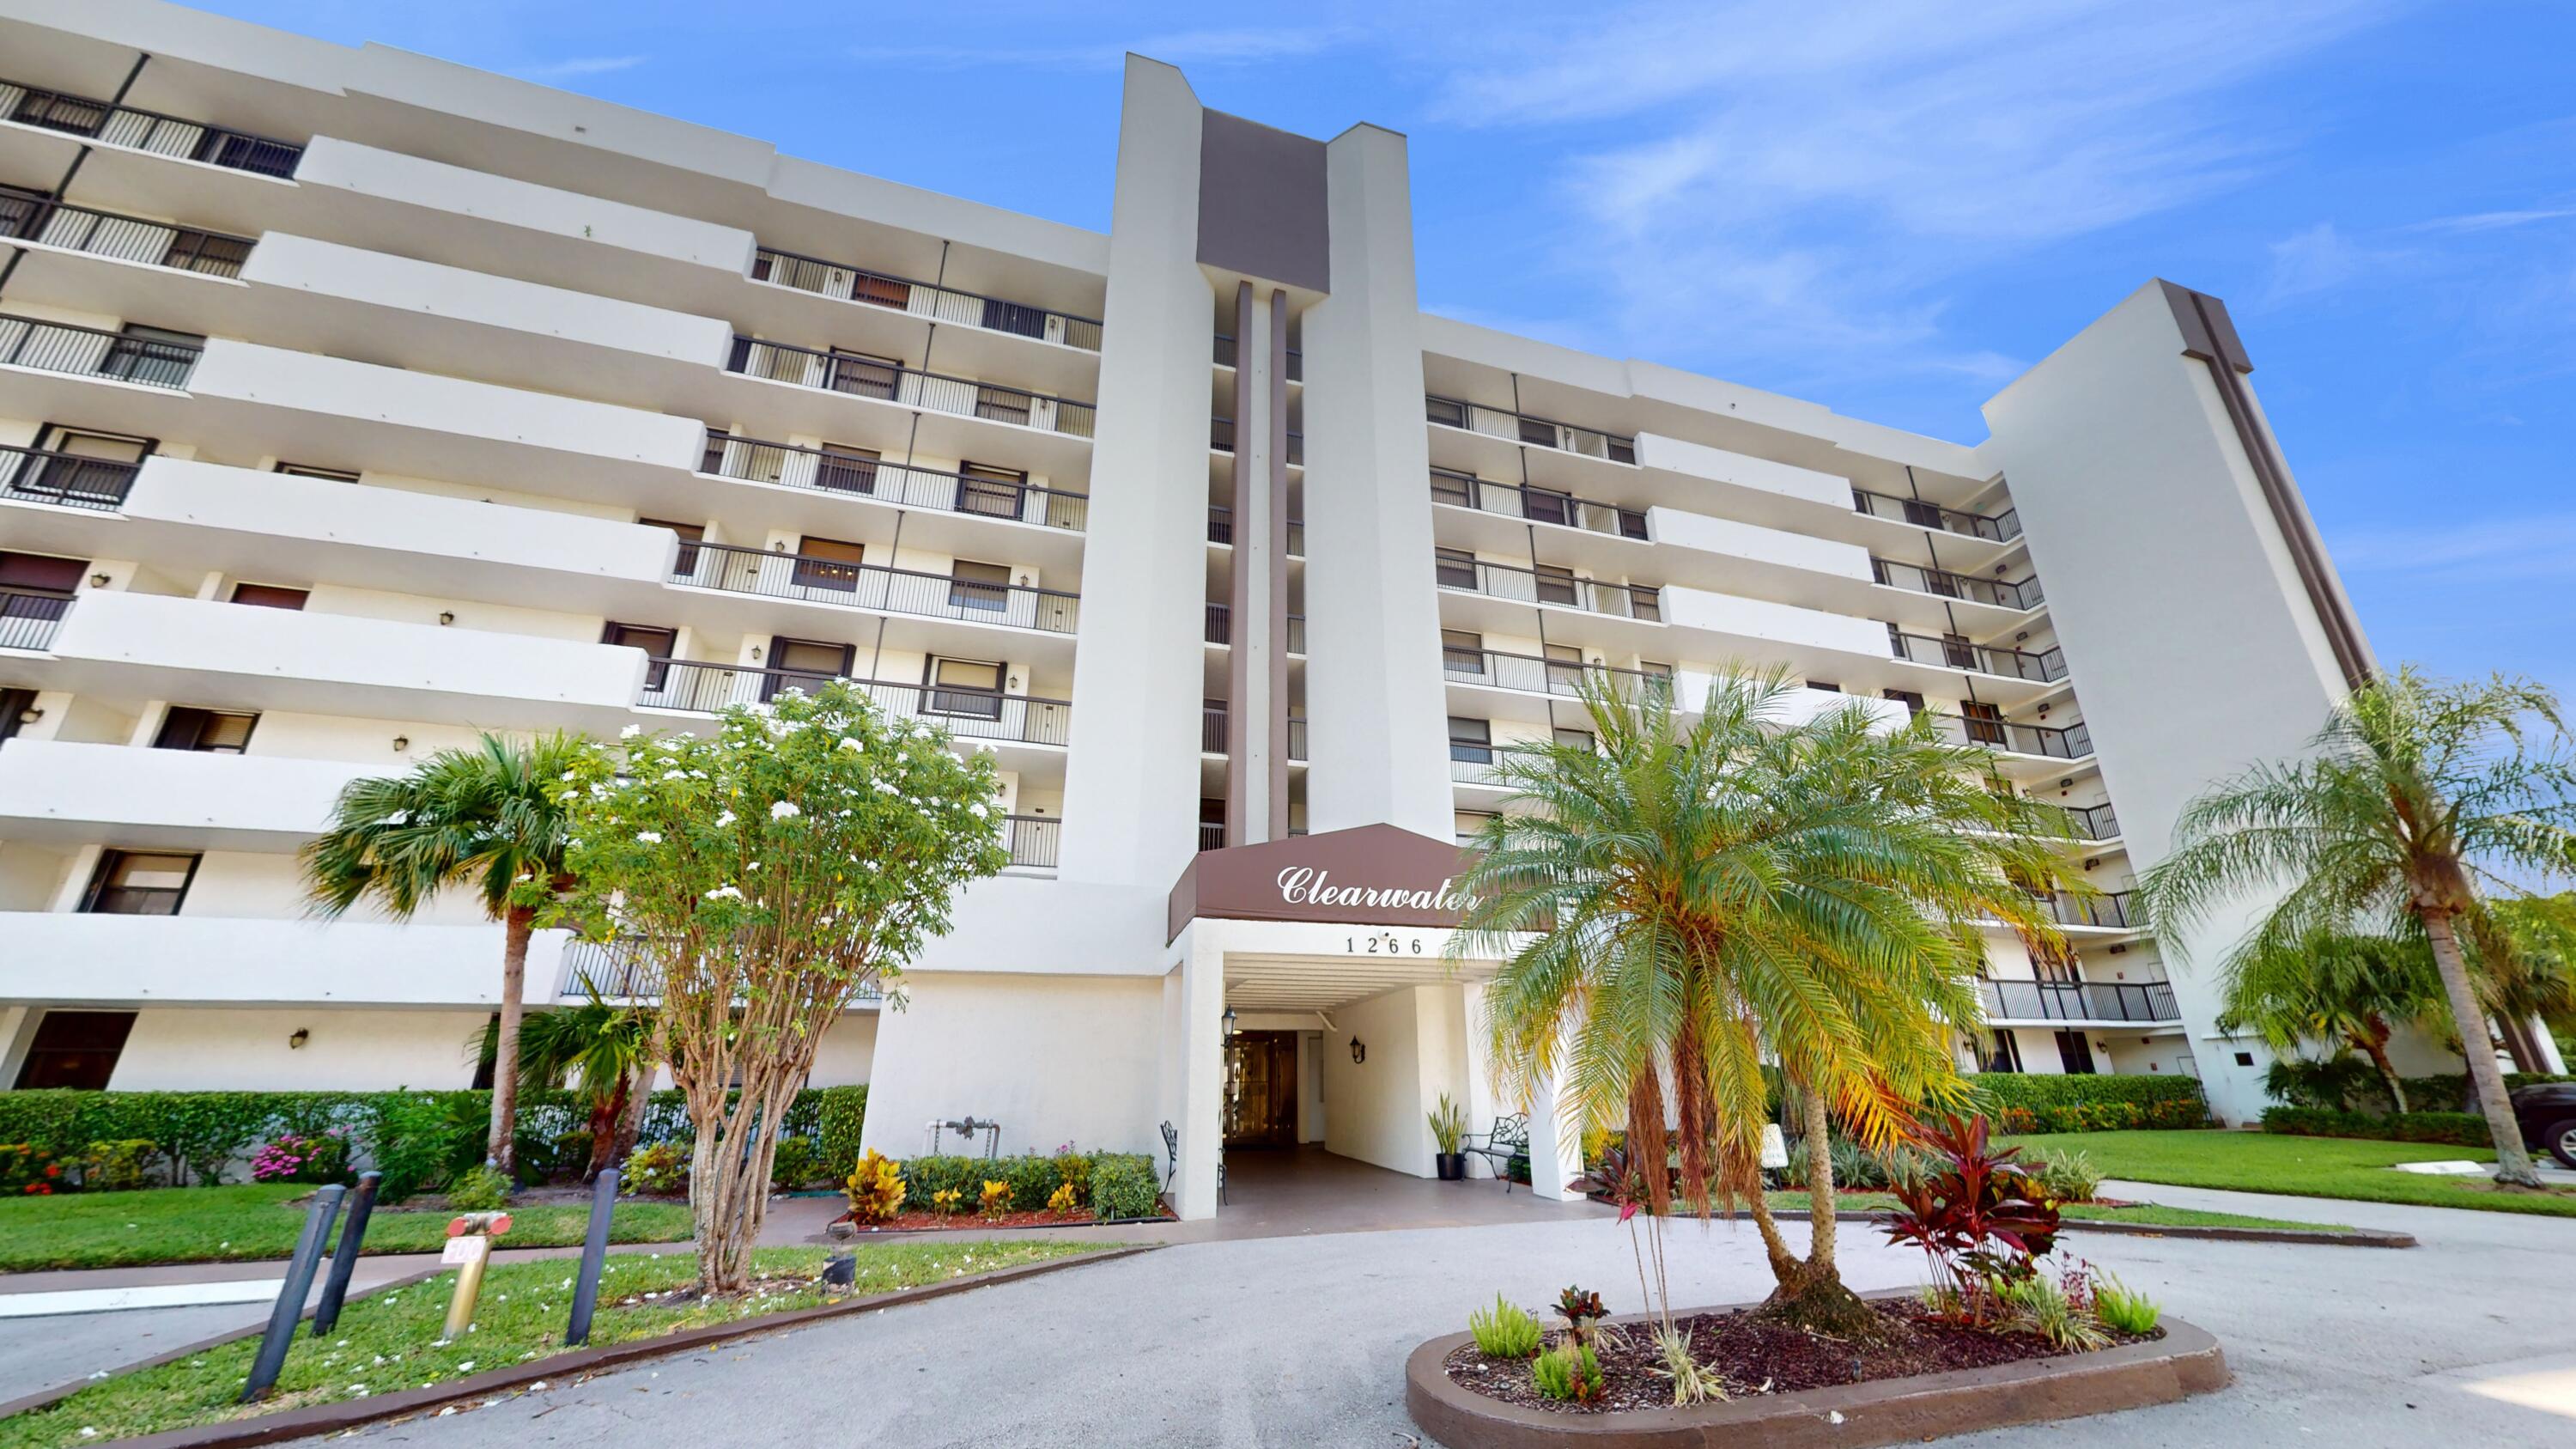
(864, 376)
(1221, 438)
(35, 475)
(2094, 822)
(927, 300)
(1999, 528)
(2151, 1001)
(1212, 740)
(35, 217)
(620, 970)
(1220, 628)
(1955, 653)
(1225, 357)
(2073, 742)
(134, 129)
(1942, 583)
(1296, 737)
(1535, 504)
(1471, 764)
(28, 621)
(1557, 587)
(1221, 530)
(791, 465)
(96, 352)
(966, 713)
(2112, 910)
(1536, 431)
(873, 586)
(1531, 674)
(1211, 835)
(1032, 839)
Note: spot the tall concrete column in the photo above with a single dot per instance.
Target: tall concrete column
(1375, 706)
(1132, 783)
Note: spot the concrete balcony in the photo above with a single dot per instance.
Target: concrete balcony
(1858, 655)
(149, 646)
(877, 401)
(67, 958)
(151, 799)
(71, 119)
(2088, 1003)
(785, 593)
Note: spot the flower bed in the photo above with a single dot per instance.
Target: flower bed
(933, 1222)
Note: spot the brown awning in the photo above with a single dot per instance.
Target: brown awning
(1372, 875)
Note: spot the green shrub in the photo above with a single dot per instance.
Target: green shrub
(1123, 1186)
(2066, 1175)
(1075, 1168)
(658, 1170)
(839, 1115)
(2458, 1129)
(926, 1177)
(2346, 1083)
(1032, 1181)
(119, 1166)
(1504, 1331)
(423, 1140)
(2122, 1308)
(27, 1170)
(794, 1164)
(2033, 1102)
(2448, 1092)
(1570, 1371)
(479, 1189)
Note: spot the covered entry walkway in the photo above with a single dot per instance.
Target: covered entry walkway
(1292, 1191)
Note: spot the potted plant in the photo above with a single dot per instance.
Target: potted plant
(1448, 1129)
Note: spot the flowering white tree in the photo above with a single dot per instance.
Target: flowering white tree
(769, 875)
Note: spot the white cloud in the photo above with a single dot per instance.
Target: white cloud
(2540, 546)
(2319, 259)
(2493, 220)
(1800, 190)
(578, 66)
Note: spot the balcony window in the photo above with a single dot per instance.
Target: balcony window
(864, 374)
(1564, 668)
(307, 470)
(84, 466)
(845, 469)
(1557, 585)
(1455, 568)
(656, 643)
(2075, 1053)
(1211, 824)
(14, 704)
(1632, 524)
(1448, 412)
(206, 731)
(985, 586)
(1912, 701)
(1002, 404)
(804, 664)
(1646, 604)
(684, 563)
(1544, 505)
(76, 1050)
(1462, 651)
(1471, 741)
(992, 492)
(966, 688)
(270, 596)
(2005, 1055)
(1537, 432)
(73, 114)
(1574, 738)
(153, 355)
(1453, 487)
(1984, 723)
(828, 563)
(139, 883)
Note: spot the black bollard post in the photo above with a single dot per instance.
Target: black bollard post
(290, 1299)
(353, 1233)
(594, 1256)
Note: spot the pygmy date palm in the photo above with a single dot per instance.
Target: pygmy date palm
(2416, 799)
(2339, 989)
(478, 817)
(1685, 897)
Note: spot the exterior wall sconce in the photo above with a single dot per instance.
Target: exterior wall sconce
(30, 716)
(100, 581)
(401, 743)
(296, 1039)
(1359, 1051)
(1231, 1025)
(755, 654)
(445, 618)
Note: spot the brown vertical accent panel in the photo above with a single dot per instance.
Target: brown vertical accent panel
(1275, 546)
(1262, 209)
(1238, 654)
(2210, 335)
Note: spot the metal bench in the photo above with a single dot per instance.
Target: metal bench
(1508, 1138)
(1172, 1162)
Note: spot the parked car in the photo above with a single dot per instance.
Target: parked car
(2547, 1112)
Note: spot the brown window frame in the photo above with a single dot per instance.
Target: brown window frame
(109, 860)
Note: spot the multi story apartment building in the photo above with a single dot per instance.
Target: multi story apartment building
(352, 402)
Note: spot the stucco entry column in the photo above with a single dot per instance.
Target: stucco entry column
(1202, 1045)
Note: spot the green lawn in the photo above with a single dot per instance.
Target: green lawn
(2300, 1166)
(390, 1341)
(253, 1220)
(2146, 1212)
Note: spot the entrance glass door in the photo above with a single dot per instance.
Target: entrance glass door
(1261, 1089)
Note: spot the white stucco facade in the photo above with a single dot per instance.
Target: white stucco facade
(519, 411)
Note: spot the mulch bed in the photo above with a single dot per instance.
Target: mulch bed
(1754, 1356)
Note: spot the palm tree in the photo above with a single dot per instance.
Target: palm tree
(2532, 974)
(2344, 990)
(478, 816)
(1682, 899)
(2416, 799)
(609, 1048)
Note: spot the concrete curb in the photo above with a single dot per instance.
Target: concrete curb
(322, 1419)
(2184, 1362)
(2202, 1232)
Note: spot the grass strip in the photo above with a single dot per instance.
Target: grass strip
(2331, 1167)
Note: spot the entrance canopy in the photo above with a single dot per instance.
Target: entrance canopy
(1369, 875)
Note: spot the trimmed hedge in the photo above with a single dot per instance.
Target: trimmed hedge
(2458, 1129)
(1120, 1184)
(839, 1114)
(2446, 1091)
(416, 1137)
(2034, 1102)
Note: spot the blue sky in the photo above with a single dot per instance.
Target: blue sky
(1891, 209)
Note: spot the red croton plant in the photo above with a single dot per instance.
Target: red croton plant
(1979, 1214)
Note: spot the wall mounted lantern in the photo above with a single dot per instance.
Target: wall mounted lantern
(1359, 1051)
